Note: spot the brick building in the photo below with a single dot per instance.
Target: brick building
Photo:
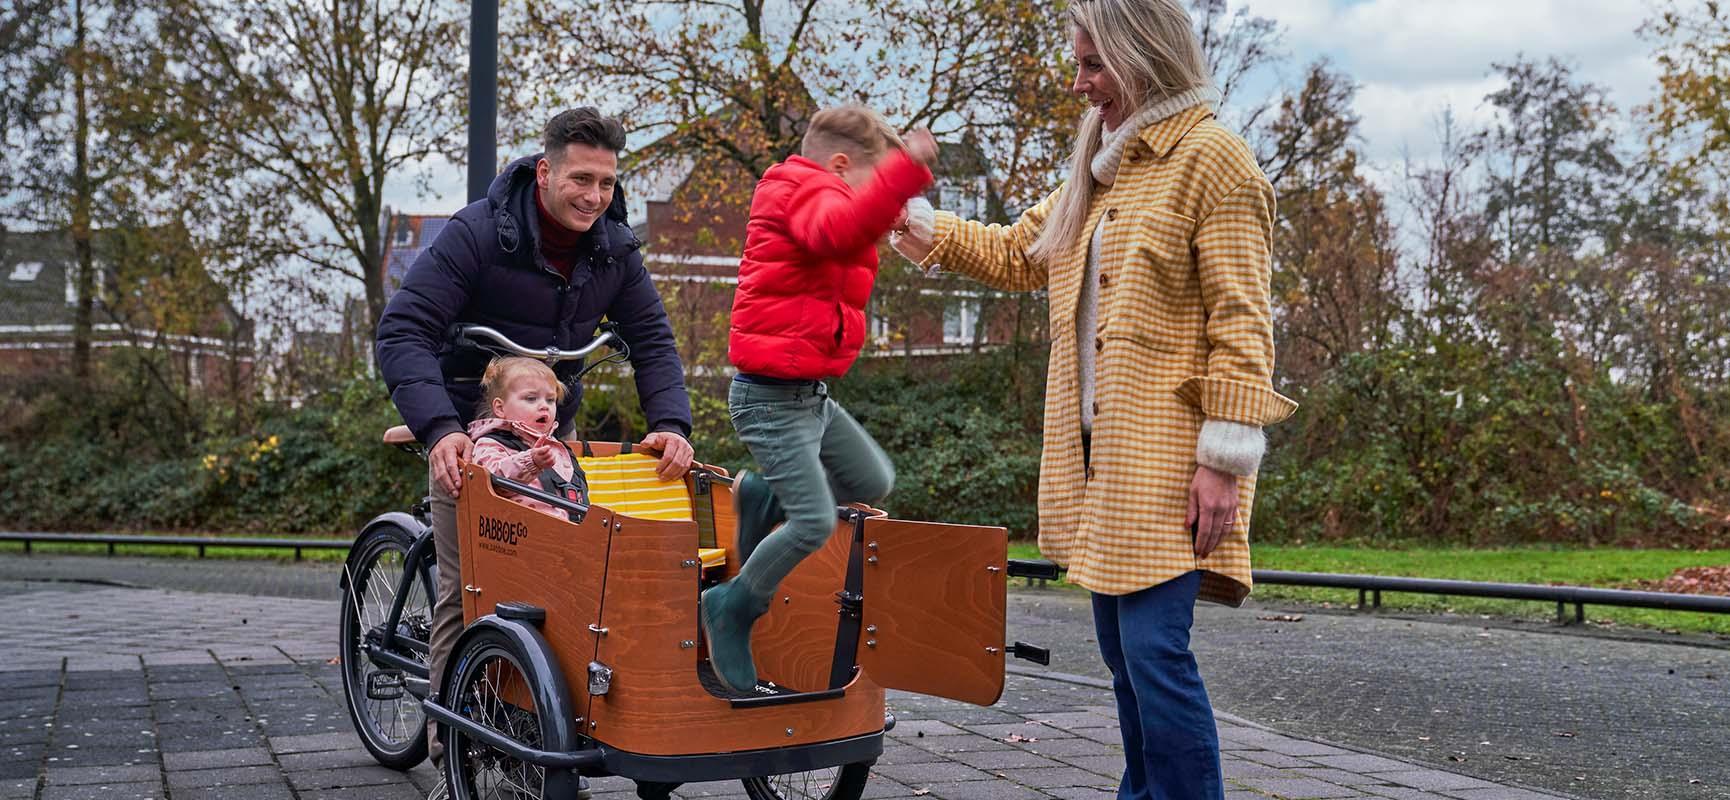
(175, 309)
(691, 217)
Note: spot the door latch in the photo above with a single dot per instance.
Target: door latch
(600, 678)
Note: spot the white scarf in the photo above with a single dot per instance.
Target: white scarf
(1105, 162)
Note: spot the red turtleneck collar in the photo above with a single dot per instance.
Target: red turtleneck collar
(558, 243)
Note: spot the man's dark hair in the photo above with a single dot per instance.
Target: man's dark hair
(582, 125)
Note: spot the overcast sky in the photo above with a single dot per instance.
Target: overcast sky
(1414, 57)
(1411, 58)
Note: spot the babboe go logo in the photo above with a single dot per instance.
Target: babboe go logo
(501, 531)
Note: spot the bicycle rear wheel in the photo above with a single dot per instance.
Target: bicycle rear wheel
(846, 782)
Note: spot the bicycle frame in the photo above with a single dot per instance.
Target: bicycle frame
(382, 643)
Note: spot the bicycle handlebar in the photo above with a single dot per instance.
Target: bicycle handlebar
(470, 334)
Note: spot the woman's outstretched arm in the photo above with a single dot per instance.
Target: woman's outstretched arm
(995, 255)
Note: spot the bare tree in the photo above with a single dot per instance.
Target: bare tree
(1237, 45)
(314, 106)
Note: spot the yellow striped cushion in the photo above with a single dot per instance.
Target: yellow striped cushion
(627, 484)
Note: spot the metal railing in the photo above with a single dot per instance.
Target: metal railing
(1369, 587)
(200, 542)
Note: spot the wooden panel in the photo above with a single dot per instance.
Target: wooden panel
(656, 705)
(598, 449)
(937, 607)
(511, 552)
(794, 644)
(726, 523)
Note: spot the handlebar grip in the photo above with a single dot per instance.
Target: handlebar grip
(1034, 568)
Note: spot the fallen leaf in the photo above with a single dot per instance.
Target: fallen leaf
(1016, 737)
(1565, 734)
(1282, 618)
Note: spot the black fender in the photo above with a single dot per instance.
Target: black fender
(397, 519)
(552, 696)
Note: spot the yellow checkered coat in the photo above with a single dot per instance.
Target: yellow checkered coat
(1185, 334)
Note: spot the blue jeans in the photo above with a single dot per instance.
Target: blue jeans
(1170, 743)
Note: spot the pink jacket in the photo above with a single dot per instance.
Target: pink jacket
(519, 466)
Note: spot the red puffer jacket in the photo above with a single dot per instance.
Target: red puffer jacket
(810, 260)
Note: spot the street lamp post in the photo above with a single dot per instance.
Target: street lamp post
(483, 96)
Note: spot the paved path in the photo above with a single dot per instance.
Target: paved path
(118, 692)
(1573, 710)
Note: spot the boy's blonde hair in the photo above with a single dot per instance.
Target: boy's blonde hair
(857, 130)
(501, 371)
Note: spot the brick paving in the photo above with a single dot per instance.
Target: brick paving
(122, 692)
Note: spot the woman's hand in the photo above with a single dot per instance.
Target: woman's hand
(1212, 508)
(913, 230)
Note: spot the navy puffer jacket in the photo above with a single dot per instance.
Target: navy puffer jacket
(486, 268)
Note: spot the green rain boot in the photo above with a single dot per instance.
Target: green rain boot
(757, 511)
(728, 612)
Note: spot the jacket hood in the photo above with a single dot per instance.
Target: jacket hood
(799, 170)
(511, 198)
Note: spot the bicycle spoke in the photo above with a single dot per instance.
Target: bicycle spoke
(395, 722)
(492, 773)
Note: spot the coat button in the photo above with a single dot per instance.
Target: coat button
(1098, 345)
(1135, 157)
(1111, 213)
(1096, 408)
(1090, 473)
(1104, 281)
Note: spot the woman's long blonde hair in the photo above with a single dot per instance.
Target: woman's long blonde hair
(1150, 50)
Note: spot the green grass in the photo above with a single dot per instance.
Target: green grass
(1605, 568)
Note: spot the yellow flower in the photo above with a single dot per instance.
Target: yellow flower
(209, 461)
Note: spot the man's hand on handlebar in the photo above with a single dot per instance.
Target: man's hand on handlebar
(446, 455)
(675, 454)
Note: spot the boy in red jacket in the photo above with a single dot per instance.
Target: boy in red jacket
(799, 318)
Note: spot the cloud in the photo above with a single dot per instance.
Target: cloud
(1403, 120)
(1422, 41)
(1414, 58)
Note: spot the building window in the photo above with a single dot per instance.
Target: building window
(960, 318)
(959, 200)
(879, 329)
(26, 271)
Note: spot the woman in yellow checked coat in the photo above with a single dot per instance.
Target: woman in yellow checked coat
(1156, 256)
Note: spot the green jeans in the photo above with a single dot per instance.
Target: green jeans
(814, 455)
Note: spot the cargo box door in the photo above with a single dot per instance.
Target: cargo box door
(934, 597)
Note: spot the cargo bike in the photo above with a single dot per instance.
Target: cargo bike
(582, 653)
